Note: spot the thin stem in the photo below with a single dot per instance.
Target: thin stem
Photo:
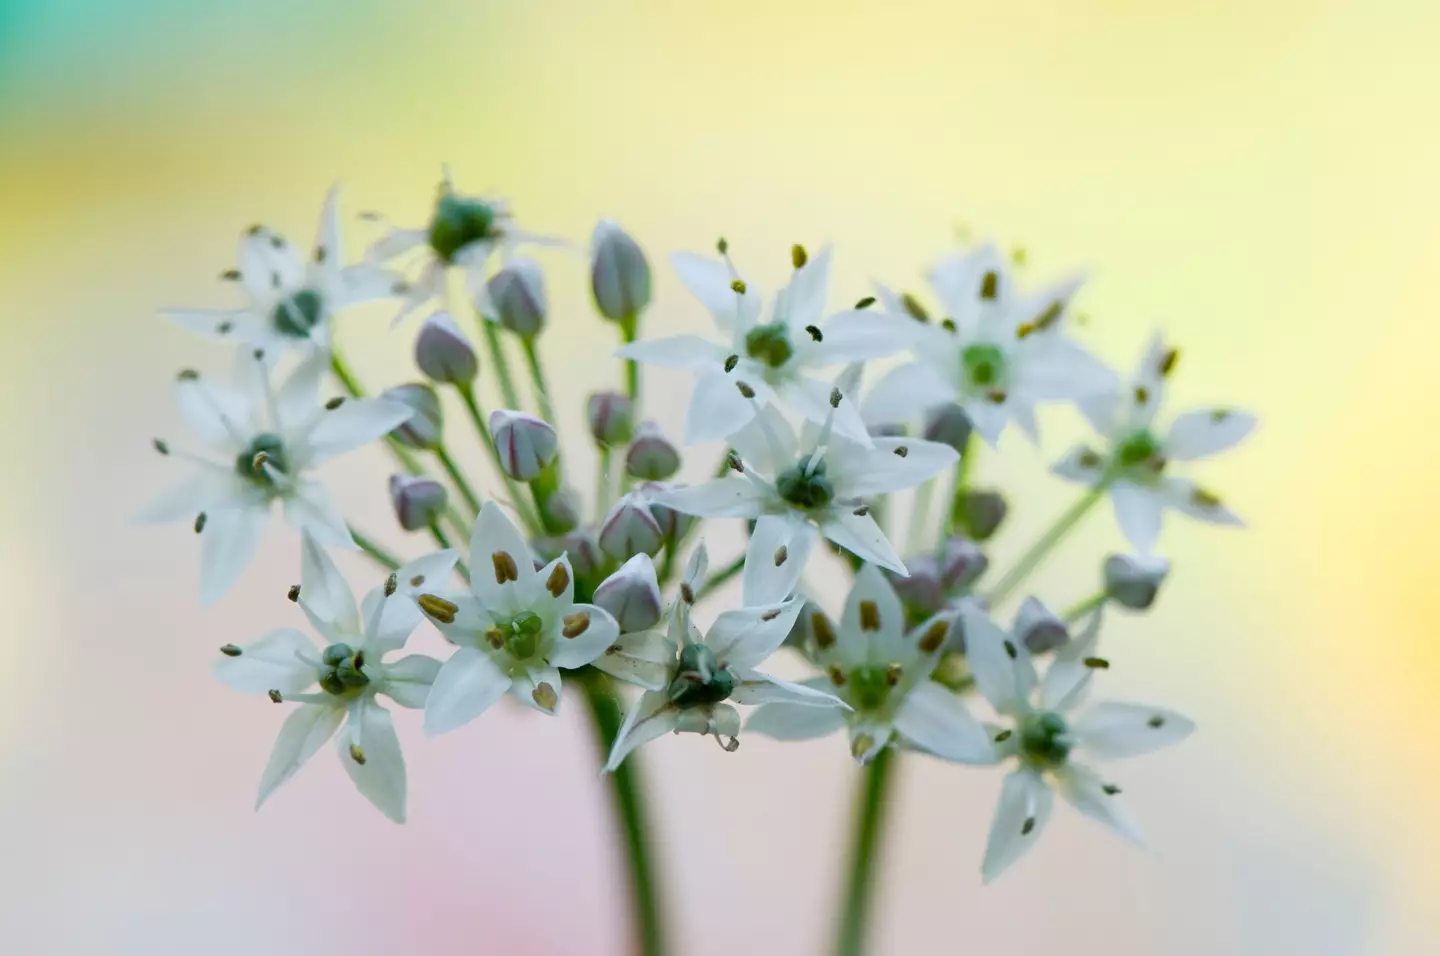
(919, 514)
(602, 482)
(1081, 608)
(860, 884)
(375, 551)
(629, 327)
(501, 364)
(537, 376)
(1038, 551)
(477, 416)
(354, 389)
(629, 804)
(963, 470)
(720, 577)
(458, 478)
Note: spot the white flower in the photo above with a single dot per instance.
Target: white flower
(1040, 732)
(350, 670)
(292, 299)
(706, 675)
(515, 629)
(883, 673)
(760, 362)
(1135, 466)
(268, 442)
(997, 355)
(641, 655)
(797, 496)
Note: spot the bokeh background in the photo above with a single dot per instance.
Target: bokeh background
(1259, 178)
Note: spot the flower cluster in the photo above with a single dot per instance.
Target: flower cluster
(557, 595)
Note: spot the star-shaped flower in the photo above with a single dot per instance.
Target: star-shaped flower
(268, 442)
(291, 299)
(883, 672)
(516, 628)
(997, 355)
(757, 363)
(707, 674)
(1045, 738)
(350, 670)
(1135, 467)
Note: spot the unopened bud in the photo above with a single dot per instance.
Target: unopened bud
(611, 417)
(673, 524)
(632, 595)
(562, 510)
(961, 564)
(1133, 581)
(1038, 628)
(443, 353)
(980, 513)
(920, 591)
(651, 456)
(630, 529)
(583, 547)
(619, 273)
(419, 502)
(949, 425)
(527, 444)
(517, 294)
(426, 424)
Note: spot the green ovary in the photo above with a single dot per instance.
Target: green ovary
(700, 679)
(984, 365)
(298, 314)
(769, 344)
(806, 489)
(458, 222)
(1138, 449)
(274, 450)
(343, 674)
(1044, 739)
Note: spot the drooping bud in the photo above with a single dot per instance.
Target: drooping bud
(980, 513)
(418, 502)
(949, 425)
(1038, 628)
(424, 427)
(443, 353)
(517, 294)
(632, 595)
(630, 528)
(1133, 581)
(651, 456)
(673, 524)
(619, 273)
(562, 510)
(527, 444)
(961, 564)
(611, 417)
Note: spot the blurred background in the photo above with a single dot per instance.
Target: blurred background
(1257, 178)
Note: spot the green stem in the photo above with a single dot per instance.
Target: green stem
(381, 556)
(919, 514)
(501, 364)
(477, 416)
(629, 327)
(1081, 608)
(720, 577)
(962, 484)
(602, 482)
(458, 478)
(537, 375)
(1038, 551)
(859, 886)
(354, 389)
(629, 803)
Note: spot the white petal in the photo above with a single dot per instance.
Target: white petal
(795, 721)
(1056, 368)
(387, 622)
(493, 537)
(381, 778)
(643, 658)
(1080, 464)
(805, 295)
(766, 445)
(778, 551)
(309, 507)
(1068, 678)
(212, 485)
(354, 423)
(395, 242)
(429, 285)
(218, 416)
(1110, 729)
(744, 637)
(467, 685)
(904, 393)
(584, 648)
(811, 399)
(709, 281)
(1201, 434)
(526, 689)
(860, 335)
(990, 662)
(728, 497)
(269, 265)
(854, 641)
(365, 282)
(649, 718)
(427, 573)
(753, 687)
(408, 680)
(297, 401)
(1084, 790)
(861, 536)
(717, 409)
(269, 663)
(1139, 511)
(238, 325)
(302, 735)
(894, 464)
(327, 236)
(989, 418)
(1184, 495)
(936, 720)
(324, 593)
(1020, 818)
(227, 544)
(676, 351)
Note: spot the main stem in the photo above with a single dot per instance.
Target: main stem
(1031, 559)
(628, 802)
(501, 364)
(860, 884)
(375, 551)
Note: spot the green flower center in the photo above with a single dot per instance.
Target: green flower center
(870, 686)
(700, 680)
(270, 446)
(343, 674)
(521, 634)
(1138, 449)
(769, 344)
(1044, 739)
(457, 223)
(984, 365)
(805, 489)
(298, 314)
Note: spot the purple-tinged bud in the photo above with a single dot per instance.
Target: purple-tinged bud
(586, 558)
(921, 591)
(517, 296)
(961, 565)
(425, 425)
(419, 502)
(562, 510)
(611, 416)
(632, 595)
(1133, 581)
(527, 444)
(1037, 628)
(673, 524)
(630, 529)
(443, 353)
(651, 456)
(619, 273)
(949, 425)
(981, 513)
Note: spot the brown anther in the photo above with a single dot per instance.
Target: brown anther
(869, 616)
(417, 580)
(687, 593)
(1018, 255)
(721, 246)
(200, 521)
(231, 275)
(544, 695)
(1156, 722)
(188, 375)
(782, 554)
(319, 253)
(1109, 789)
(820, 627)
(255, 230)
(997, 396)
(224, 328)
(161, 446)
(798, 256)
(437, 607)
(275, 697)
(1219, 415)
(731, 362)
(1142, 394)
(745, 390)
(1003, 736)
(334, 403)
(770, 615)
(815, 333)
(729, 746)
(357, 755)
(901, 451)
(1096, 663)
(892, 675)
(1089, 459)
(990, 286)
(399, 288)
(861, 511)
(733, 460)
(949, 326)
(495, 638)
(1024, 329)
(294, 593)
(837, 676)
(558, 581)
(575, 624)
(1167, 362)
(866, 302)
(613, 649)
(1027, 826)
(505, 568)
(738, 286)
(277, 241)
(913, 308)
(835, 397)
(230, 650)
(1204, 499)
(934, 636)
(1010, 650)
(258, 462)
(392, 584)
(1048, 318)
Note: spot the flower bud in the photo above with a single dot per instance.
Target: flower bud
(611, 416)
(920, 592)
(1037, 628)
(527, 444)
(443, 353)
(517, 296)
(630, 529)
(650, 455)
(619, 274)
(424, 427)
(673, 524)
(961, 564)
(418, 502)
(1133, 581)
(562, 510)
(632, 595)
(981, 513)
(949, 425)
(586, 558)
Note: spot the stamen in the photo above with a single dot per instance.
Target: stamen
(733, 460)
(901, 451)
(1110, 789)
(545, 696)
(558, 581)
(188, 375)
(1167, 362)
(997, 395)
(721, 246)
(230, 275)
(1219, 415)
(1204, 499)
(334, 403)
(731, 362)
(278, 241)
(1142, 394)
(1010, 649)
(576, 624)
(255, 230)
(294, 593)
(1097, 663)
(230, 650)
(225, 327)
(1027, 826)
(815, 333)
(1047, 318)
(417, 580)
(990, 286)
(1003, 736)
(912, 305)
(730, 746)
(949, 325)
(161, 446)
(687, 593)
(837, 676)
(1024, 329)
(437, 607)
(892, 675)
(319, 253)
(275, 697)
(934, 636)
(824, 633)
(782, 553)
(495, 638)
(391, 584)
(1156, 722)
(861, 511)
(200, 520)
(869, 616)
(738, 286)
(835, 397)
(866, 302)
(357, 755)
(798, 256)
(505, 567)
(745, 389)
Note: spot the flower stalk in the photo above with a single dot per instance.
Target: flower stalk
(1042, 547)
(872, 802)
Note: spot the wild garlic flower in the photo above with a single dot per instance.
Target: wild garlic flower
(759, 363)
(641, 655)
(1134, 467)
(1042, 733)
(515, 629)
(882, 671)
(291, 299)
(268, 441)
(351, 673)
(707, 674)
(997, 355)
